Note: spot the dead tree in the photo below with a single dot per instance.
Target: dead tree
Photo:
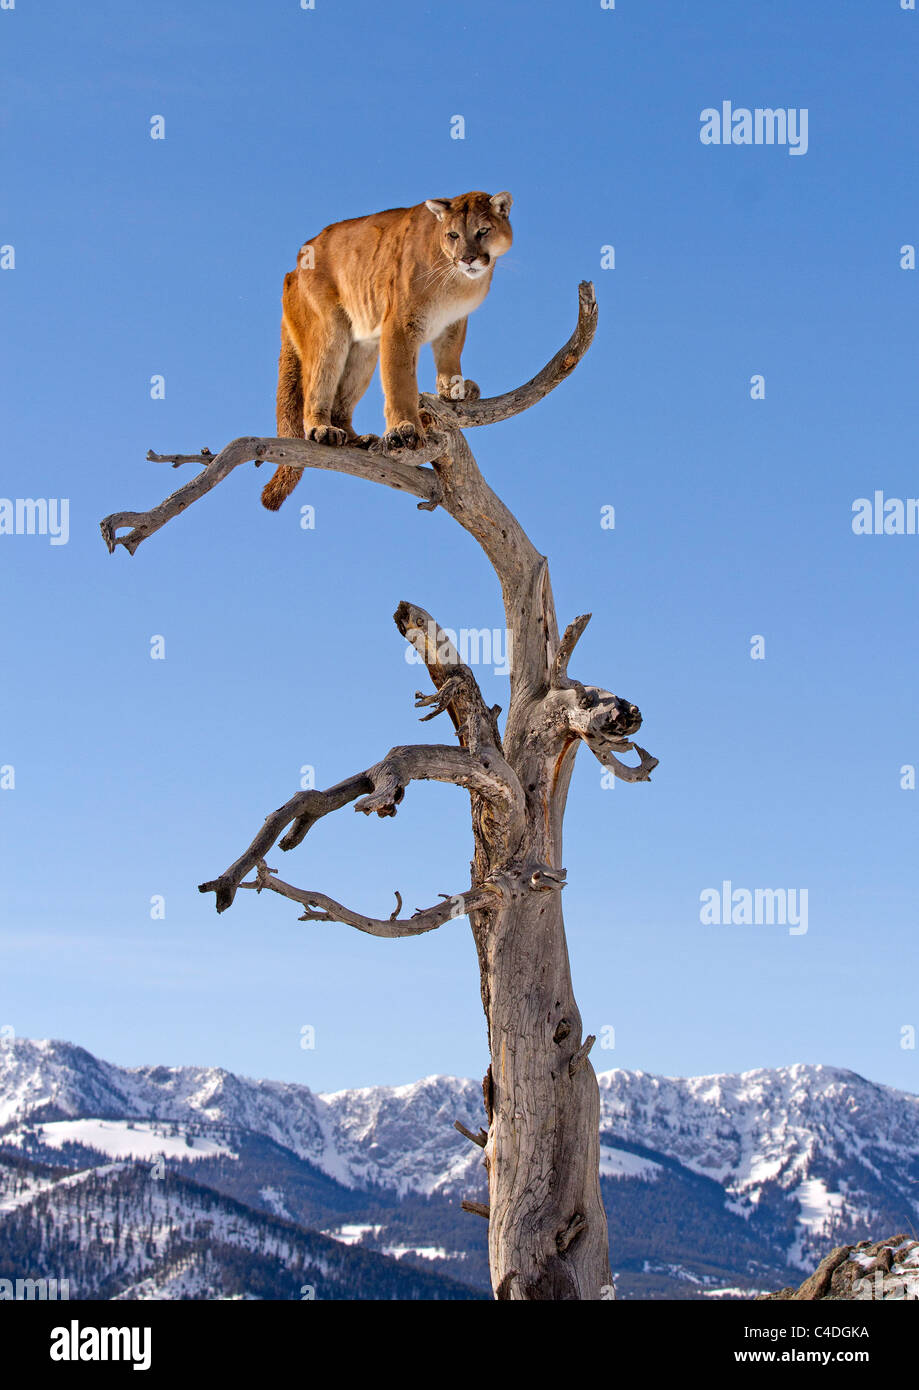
(547, 1230)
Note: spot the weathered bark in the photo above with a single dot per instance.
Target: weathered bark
(547, 1226)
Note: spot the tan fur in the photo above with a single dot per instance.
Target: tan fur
(381, 286)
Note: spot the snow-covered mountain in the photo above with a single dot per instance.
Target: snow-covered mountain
(734, 1180)
(844, 1149)
(396, 1136)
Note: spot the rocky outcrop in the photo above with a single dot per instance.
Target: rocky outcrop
(881, 1270)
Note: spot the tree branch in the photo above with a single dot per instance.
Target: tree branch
(296, 453)
(380, 789)
(580, 1057)
(460, 414)
(624, 771)
(604, 722)
(303, 809)
(320, 908)
(560, 679)
(481, 1139)
(205, 457)
(485, 772)
(457, 689)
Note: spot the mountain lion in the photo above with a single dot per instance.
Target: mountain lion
(381, 286)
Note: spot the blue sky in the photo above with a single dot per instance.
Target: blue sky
(137, 777)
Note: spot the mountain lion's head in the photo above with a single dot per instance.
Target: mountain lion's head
(474, 230)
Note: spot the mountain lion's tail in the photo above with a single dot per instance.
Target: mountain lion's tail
(290, 421)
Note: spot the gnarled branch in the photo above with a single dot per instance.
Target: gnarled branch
(303, 810)
(487, 774)
(461, 414)
(604, 722)
(296, 453)
(560, 679)
(321, 908)
(457, 688)
(379, 790)
(625, 771)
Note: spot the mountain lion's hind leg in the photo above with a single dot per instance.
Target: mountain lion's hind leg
(289, 418)
(290, 390)
(358, 370)
(323, 359)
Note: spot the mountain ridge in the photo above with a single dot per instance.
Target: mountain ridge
(758, 1172)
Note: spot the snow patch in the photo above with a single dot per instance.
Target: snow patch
(350, 1235)
(274, 1200)
(425, 1252)
(618, 1163)
(122, 1139)
(819, 1210)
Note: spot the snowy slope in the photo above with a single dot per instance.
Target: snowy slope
(115, 1232)
(123, 1139)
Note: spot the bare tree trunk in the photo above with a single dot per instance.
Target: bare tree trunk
(547, 1226)
(547, 1235)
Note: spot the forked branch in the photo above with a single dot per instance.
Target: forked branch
(379, 790)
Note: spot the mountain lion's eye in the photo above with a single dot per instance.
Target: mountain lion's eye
(483, 231)
(454, 236)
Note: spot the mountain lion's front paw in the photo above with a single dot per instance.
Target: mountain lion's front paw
(327, 434)
(456, 388)
(404, 436)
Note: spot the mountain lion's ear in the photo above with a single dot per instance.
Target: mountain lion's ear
(501, 203)
(439, 206)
